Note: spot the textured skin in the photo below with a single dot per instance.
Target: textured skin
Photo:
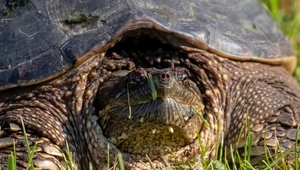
(44, 31)
(66, 109)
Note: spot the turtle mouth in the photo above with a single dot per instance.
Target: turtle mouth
(151, 128)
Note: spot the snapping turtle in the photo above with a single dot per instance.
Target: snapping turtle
(161, 82)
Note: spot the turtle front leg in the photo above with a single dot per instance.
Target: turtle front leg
(54, 114)
(46, 124)
(266, 102)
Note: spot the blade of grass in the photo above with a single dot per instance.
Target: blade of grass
(201, 116)
(69, 159)
(29, 152)
(232, 157)
(265, 150)
(108, 161)
(90, 166)
(12, 159)
(15, 153)
(128, 101)
(203, 149)
(152, 87)
(275, 162)
(11, 162)
(151, 164)
(221, 147)
(30, 162)
(248, 146)
(267, 164)
(281, 156)
(274, 8)
(121, 162)
(296, 150)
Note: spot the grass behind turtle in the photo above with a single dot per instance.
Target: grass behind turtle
(286, 13)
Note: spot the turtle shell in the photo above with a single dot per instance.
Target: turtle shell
(40, 40)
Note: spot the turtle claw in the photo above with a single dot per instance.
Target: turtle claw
(48, 163)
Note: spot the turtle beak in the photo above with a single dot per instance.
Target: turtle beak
(163, 83)
(163, 96)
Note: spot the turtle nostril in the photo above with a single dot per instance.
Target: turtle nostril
(168, 75)
(165, 76)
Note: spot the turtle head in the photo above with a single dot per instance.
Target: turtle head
(151, 110)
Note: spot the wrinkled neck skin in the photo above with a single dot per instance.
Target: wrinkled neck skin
(71, 107)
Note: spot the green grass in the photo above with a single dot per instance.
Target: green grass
(232, 159)
(286, 13)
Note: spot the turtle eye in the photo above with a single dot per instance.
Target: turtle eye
(133, 79)
(184, 77)
(136, 77)
(180, 76)
(185, 80)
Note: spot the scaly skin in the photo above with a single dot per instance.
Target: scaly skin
(87, 107)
